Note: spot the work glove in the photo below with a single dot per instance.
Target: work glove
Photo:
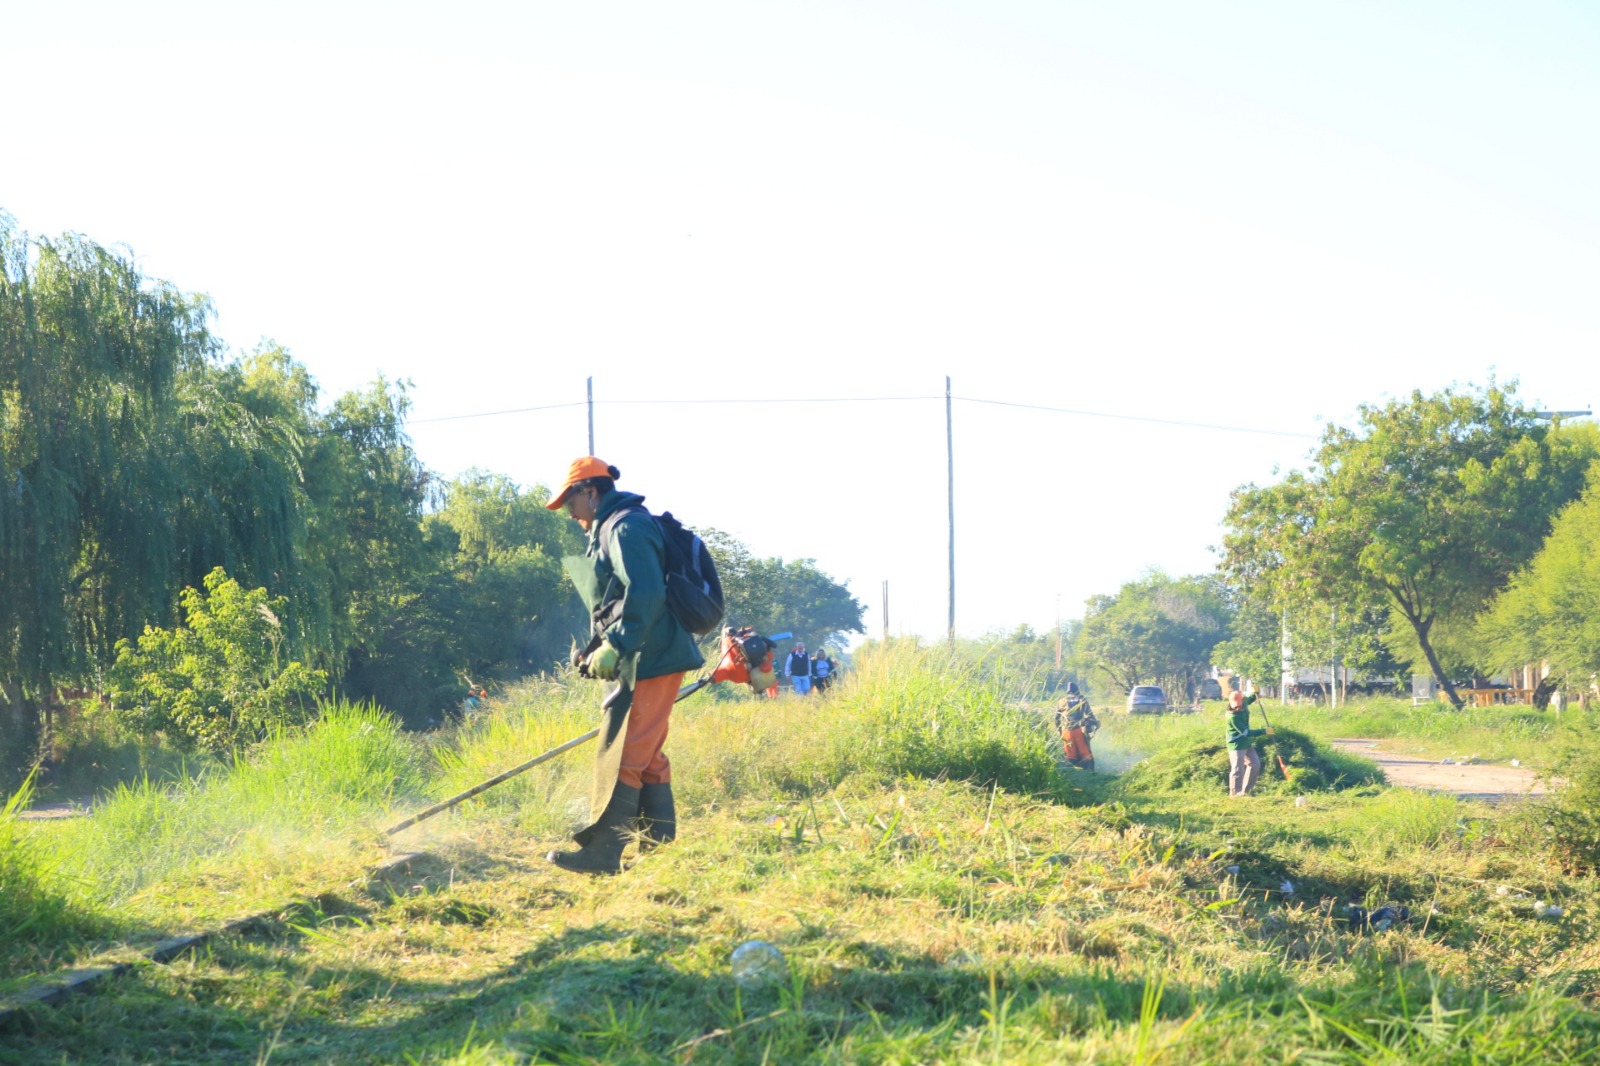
(603, 663)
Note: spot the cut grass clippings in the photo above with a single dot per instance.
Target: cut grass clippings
(1292, 763)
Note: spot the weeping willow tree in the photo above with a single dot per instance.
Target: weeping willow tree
(135, 459)
(90, 355)
(132, 461)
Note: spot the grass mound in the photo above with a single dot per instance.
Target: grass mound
(1312, 767)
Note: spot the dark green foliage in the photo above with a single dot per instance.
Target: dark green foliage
(90, 355)
(510, 608)
(134, 461)
(776, 596)
(1313, 767)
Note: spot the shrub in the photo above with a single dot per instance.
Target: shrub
(1571, 816)
(218, 680)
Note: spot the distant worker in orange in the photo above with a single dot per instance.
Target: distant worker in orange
(1076, 722)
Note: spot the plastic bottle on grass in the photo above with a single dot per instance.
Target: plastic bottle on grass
(757, 963)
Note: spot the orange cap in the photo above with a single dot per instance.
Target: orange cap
(582, 469)
(1236, 699)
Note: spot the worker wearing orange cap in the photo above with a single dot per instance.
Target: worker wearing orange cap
(635, 641)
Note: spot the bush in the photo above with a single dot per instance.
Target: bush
(1570, 818)
(218, 680)
(1312, 767)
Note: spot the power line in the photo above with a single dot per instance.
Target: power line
(750, 401)
(1140, 418)
(786, 399)
(492, 414)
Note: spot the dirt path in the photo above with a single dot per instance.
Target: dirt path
(1469, 781)
(52, 811)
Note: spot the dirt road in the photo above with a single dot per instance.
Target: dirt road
(53, 811)
(1469, 781)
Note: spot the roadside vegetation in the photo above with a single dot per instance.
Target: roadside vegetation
(941, 888)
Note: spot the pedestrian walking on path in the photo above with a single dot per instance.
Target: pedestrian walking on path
(798, 669)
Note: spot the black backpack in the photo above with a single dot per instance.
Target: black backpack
(694, 591)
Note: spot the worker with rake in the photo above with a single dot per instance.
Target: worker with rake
(1244, 761)
(636, 642)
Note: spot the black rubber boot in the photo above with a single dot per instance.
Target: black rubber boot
(603, 853)
(658, 818)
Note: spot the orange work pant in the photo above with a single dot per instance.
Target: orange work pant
(642, 760)
(1076, 745)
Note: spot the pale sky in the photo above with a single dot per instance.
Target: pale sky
(1255, 215)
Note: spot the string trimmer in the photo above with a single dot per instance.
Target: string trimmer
(746, 658)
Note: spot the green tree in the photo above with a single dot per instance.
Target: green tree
(1425, 509)
(218, 680)
(1155, 630)
(90, 352)
(1253, 646)
(1550, 610)
(776, 596)
(507, 604)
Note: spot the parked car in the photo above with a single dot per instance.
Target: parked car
(1147, 699)
(1210, 688)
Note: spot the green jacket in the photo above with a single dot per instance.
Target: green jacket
(636, 571)
(1240, 734)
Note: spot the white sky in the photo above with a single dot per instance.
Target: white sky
(1245, 214)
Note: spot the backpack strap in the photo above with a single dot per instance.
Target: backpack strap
(604, 537)
(609, 609)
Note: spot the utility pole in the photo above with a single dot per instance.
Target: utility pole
(950, 448)
(886, 611)
(591, 416)
(1058, 632)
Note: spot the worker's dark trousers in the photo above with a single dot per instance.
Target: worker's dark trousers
(643, 762)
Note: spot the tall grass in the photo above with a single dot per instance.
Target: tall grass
(1493, 733)
(903, 711)
(305, 790)
(37, 910)
(918, 712)
(531, 718)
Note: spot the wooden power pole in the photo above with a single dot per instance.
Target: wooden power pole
(950, 449)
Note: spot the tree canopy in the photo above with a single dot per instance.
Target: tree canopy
(1156, 630)
(1550, 610)
(1424, 510)
(776, 596)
